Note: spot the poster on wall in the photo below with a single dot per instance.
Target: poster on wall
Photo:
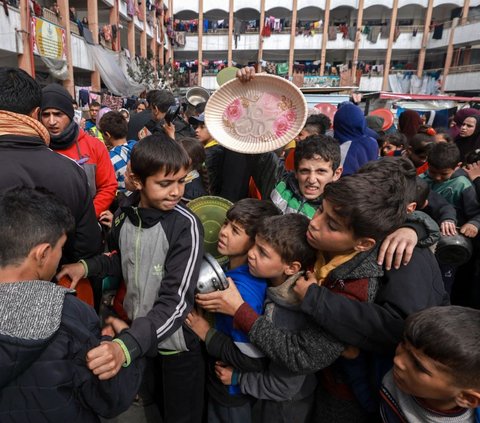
(48, 39)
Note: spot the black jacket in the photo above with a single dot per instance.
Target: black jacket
(27, 161)
(45, 334)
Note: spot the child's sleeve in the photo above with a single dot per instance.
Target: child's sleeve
(222, 346)
(274, 384)
(471, 206)
(439, 208)
(176, 295)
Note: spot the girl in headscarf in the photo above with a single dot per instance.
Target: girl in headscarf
(356, 146)
(469, 137)
(409, 122)
(459, 118)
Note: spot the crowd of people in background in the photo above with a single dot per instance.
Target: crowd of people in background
(336, 310)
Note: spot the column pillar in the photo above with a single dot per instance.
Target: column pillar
(426, 32)
(357, 41)
(114, 19)
(143, 34)
(230, 31)
(65, 21)
(260, 38)
(292, 38)
(170, 53)
(466, 8)
(200, 42)
(326, 21)
(388, 55)
(92, 6)
(25, 60)
(161, 52)
(449, 57)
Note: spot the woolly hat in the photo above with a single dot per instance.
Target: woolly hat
(375, 123)
(54, 96)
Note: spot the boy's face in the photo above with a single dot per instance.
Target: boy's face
(264, 261)
(94, 112)
(202, 133)
(388, 148)
(313, 174)
(48, 271)
(328, 232)
(418, 375)
(162, 191)
(233, 240)
(419, 155)
(440, 175)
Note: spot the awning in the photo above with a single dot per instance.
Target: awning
(113, 71)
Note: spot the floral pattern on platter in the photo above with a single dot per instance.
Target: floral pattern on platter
(267, 116)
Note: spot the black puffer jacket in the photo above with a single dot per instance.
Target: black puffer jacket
(27, 161)
(45, 333)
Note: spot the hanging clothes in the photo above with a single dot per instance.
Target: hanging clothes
(373, 34)
(332, 33)
(438, 32)
(396, 33)
(352, 33)
(385, 31)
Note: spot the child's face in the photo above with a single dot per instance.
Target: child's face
(418, 375)
(233, 241)
(48, 271)
(328, 232)
(202, 134)
(418, 156)
(313, 174)
(264, 261)
(440, 175)
(162, 191)
(388, 149)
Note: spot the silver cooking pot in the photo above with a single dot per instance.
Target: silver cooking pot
(454, 250)
(197, 95)
(211, 277)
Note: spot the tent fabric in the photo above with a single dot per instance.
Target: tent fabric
(57, 68)
(113, 71)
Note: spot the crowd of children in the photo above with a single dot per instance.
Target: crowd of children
(336, 310)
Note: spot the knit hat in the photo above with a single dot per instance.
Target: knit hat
(375, 122)
(54, 96)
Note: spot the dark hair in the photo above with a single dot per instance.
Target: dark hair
(444, 156)
(157, 153)
(29, 217)
(423, 190)
(249, 212)
(95, 104)
(317, 124)
(449, 335)
(115, 124)
(196, 152)
(396, 165)
(445, 134)
(286, 234)
(421, 142)
(396, 138)
(472, 157)
(324, 146)
(200, 107)
(138, 102)
(20, 93)
(373, 201)
(161, 99)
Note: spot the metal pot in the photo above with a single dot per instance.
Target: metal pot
(197, 95)
(211, 277)
(454, 250)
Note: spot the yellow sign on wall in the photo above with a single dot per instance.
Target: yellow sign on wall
(48, 39)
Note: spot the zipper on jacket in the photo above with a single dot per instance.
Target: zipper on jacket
(137, 246)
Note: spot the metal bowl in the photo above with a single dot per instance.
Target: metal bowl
(211, 277)
(454, 250)
(197, 95)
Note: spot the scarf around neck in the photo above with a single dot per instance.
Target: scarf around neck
(23, 125)
(66, 138)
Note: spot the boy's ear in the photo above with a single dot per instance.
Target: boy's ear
(338, 172)
(35, 113)
(469, 398)
(40, 253)
(292, 268)
(364, 244)
(136, 181)
(411, 207)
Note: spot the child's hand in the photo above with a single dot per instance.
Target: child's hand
(74, 271)
(397, 248)
(301, 285)
(473, 170)
(227, 301)
(105, 360)
(469, 230)
(246, 74)
(224, 372)
(198, 324)
(106, 218)
(448, 228)
(113, 326)
(169, 129)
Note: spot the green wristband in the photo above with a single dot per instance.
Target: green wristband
(126, 353)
